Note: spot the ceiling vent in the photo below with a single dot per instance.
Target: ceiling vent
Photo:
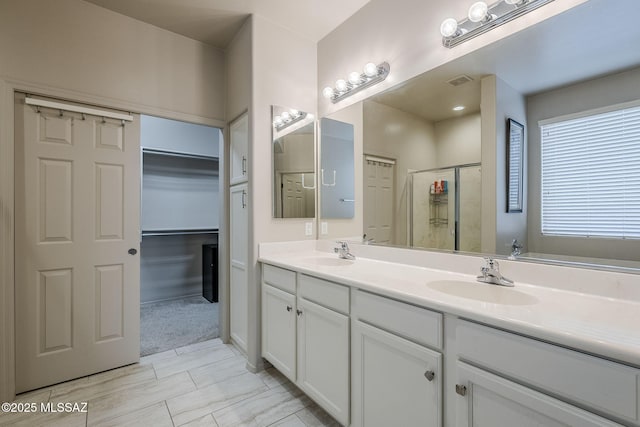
(460, 80)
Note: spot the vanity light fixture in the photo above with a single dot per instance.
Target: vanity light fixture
(287, 118)
(482, 18)
(371, 74)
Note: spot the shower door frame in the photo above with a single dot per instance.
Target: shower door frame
(456, 225)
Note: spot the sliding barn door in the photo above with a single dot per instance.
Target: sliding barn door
(77, 242)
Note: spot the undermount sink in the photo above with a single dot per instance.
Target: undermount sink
(328, 261)
(482, 292)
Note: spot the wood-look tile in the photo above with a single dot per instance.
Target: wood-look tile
(156, 415)
(194, 405)
(216, 372)
(272, 377)
(199, 346)
(36, 396)
(315, 416)
(138, 396)
(290, 421)
(102, 384)
(158, 356)
(187, 361)
(206, 421)
(261, 410)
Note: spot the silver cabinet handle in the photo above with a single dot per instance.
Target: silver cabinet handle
(244, 165)
(299, 312)
(289, 308)
(430, 375)
(461, 389)
(244, 199)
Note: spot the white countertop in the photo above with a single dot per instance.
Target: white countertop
(595, 324)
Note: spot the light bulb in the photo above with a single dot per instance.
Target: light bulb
(341, 85)
(370, 69)
(277, 120)
(285, 116)
(478, 11)
(448, 27)
(294, 113)
(354, 78)
(458, 108)
(327, 92)
(513, 1)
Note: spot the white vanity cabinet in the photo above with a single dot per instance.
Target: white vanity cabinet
(396, 379)
(535, 383)
(305, 335)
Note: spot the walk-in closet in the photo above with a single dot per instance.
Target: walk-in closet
(179, 250)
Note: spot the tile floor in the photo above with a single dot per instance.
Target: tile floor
(203, 384)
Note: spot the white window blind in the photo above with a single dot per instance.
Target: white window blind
(591, 175)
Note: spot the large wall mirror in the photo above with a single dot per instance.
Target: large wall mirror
(434, 148)
(294, 178)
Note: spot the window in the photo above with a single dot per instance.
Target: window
(591, 174)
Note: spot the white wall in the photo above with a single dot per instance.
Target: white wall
(499, 228)
(80, 47)
(596, 93)
(410, 140)
(459, 140)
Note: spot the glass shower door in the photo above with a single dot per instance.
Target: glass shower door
(432, 213)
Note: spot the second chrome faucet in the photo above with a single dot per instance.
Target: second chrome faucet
(343, 250)
(491, 274)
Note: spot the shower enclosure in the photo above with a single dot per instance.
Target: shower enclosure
(444, 208)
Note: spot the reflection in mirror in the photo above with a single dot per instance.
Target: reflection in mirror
(294, 180)
(434, 176)
(336, 169)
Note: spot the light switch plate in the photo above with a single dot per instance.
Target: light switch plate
(308, 228)
(324, 227)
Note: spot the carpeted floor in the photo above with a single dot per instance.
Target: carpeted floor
(166, 325)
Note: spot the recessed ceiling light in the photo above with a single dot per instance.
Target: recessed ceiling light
(458, 108)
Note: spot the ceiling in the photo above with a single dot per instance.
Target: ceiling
(597, 38)
(215, 22)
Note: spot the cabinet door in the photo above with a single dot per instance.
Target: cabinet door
(239, 143)
(488, 400)
(395, 382)
(323, 357)
(279, 330)
(238, 245)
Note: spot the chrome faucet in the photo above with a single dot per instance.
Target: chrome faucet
(491, 274)
(343, 250)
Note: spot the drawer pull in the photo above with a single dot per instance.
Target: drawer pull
(461, 389)
(430, 375)
(289, 308)
(299, 312)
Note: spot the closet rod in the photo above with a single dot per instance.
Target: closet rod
(177, 154)
(177, 232)
(77, 109)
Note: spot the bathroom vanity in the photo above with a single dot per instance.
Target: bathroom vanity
(399, 342)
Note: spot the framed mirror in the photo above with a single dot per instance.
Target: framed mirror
(293, 163)
(445, 158)
(515, 156)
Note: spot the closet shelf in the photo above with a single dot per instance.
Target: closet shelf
(178, 154)
(152, 233)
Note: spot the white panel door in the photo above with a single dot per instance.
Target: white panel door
(395, 382)
(485, 399)
(239, 245)
(77, 218)
(239, 143)
(323, 357)
(378, 201)
(279, 329)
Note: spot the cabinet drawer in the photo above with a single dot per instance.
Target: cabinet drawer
(608, 387)
(279, 277)
(409, 321)
(325, 293)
